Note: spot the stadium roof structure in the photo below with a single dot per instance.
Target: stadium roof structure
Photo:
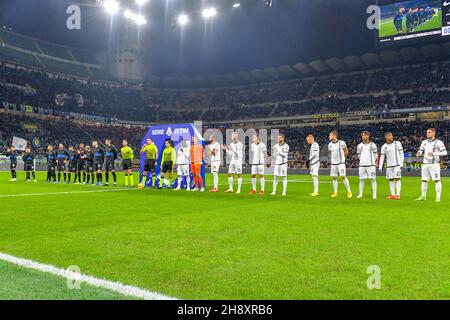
(385, 58)
(61, 59)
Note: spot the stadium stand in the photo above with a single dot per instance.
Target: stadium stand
(17, 40)
(83, 56)
(50, 57)
(65, 68)
(129, 103)
(54, 50)
(11, 55)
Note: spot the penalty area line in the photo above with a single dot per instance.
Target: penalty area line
(117, 287)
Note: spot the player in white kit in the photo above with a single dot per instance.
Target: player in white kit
(214, 152)
(280, 153)
(236, 150)
(314, 163)
(183, 166)
(368, 156)
(258, 152)
(431, 149)
(337, 153)
(392, 152)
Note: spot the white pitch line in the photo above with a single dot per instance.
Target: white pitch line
(118, 287)
(64, 192)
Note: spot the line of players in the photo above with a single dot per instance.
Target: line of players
(391, 153)
(86, 163)
(414, 17)
(189, 160)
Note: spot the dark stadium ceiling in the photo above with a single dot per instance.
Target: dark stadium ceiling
(245, 38)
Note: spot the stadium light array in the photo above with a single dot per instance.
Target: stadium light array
(111, 6)
(135, 17)
(236, 5)
(209, 13)
(183, 19)
(140, 3)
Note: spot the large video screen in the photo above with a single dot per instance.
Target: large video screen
(411, 20)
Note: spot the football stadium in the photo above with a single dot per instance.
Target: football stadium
(224, 150)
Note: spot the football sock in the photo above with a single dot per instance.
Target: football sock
(216, 179)
(392, 187)
(438, 189)
(347, 185)
(424, 188)
(398, 184)
(316, 184)
(374, 187)
(285, 183)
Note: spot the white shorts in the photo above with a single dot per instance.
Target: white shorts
(394, 173)
(235, 168)
(314, 169)
(258, 169)
(338, 170)
(280, 170)
(215, 166)
(183, 170)
(367, 172)
(431, 171)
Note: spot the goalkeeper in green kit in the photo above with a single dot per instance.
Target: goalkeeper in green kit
(127, 163)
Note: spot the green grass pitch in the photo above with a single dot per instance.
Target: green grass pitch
(387, 27)
(227, 246)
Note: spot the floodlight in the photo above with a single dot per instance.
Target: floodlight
(183, 19)
(209, 12)
(135, 17)
(141, 2)
(111, 6)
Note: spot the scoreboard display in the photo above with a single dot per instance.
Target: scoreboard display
(402, 22)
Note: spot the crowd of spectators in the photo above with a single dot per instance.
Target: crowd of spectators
(124, 102)
(401, 87)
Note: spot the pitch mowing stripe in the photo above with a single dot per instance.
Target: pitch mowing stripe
(117, 287)
(64, 192)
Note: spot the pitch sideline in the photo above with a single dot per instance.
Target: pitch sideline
(62, 192)
(126, 290)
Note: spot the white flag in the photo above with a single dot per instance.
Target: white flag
(19, 143)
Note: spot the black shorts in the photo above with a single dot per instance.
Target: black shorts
(89, 167)
(167, 166)
(109, 166)
(149, 165)
(80, 166)
(126, 164)
(28, 167)
(98, 166)
(61, 167)
(13, 165)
